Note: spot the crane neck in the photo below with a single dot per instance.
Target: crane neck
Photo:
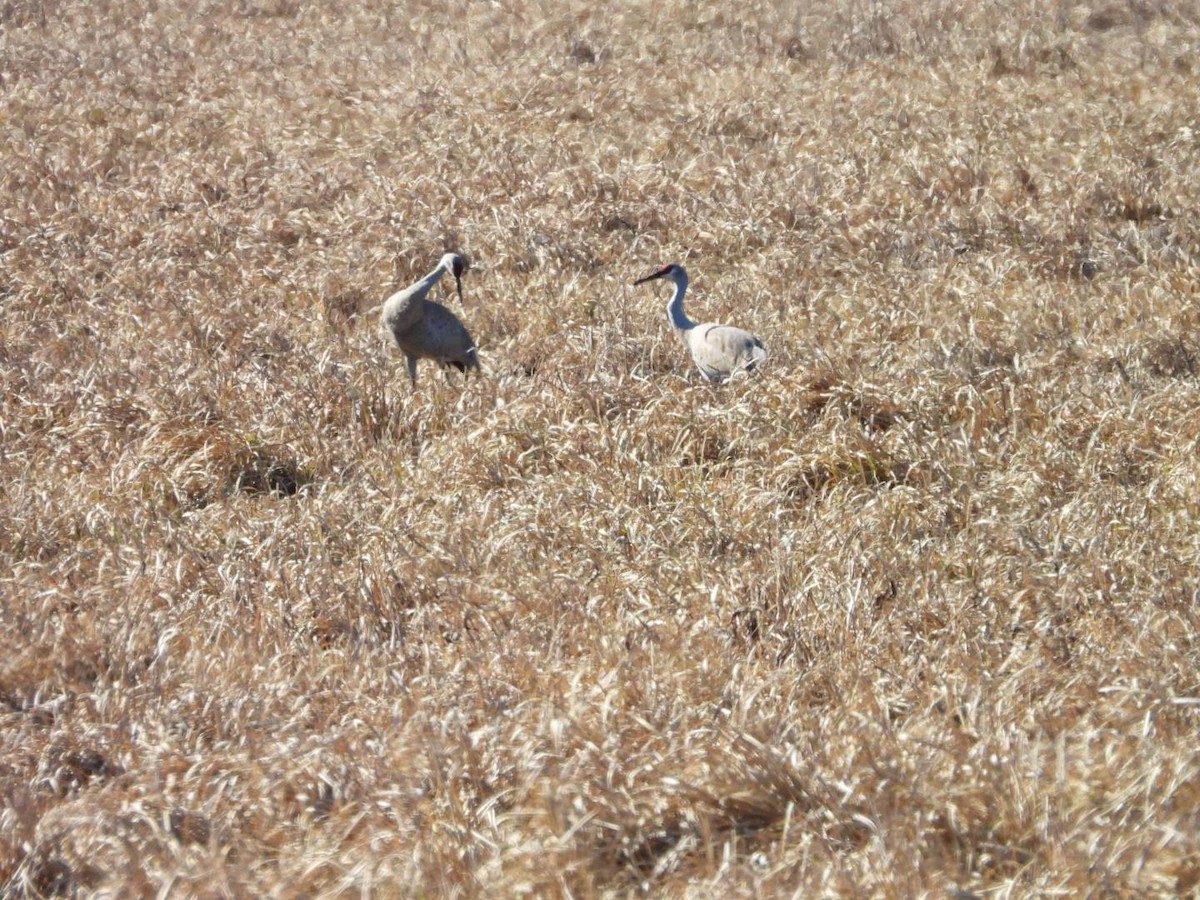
(431, 279)
(679, 319)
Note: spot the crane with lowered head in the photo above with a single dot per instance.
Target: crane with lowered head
(424, 329)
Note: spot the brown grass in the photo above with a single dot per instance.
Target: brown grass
(913, 613)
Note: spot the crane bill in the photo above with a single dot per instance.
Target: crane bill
(664, 272)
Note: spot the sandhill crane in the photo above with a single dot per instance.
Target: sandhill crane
(719, 351)
(423, 329)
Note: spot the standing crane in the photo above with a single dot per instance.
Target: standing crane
(719, 351)
(424, 329)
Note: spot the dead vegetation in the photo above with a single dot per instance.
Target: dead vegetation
(914, 612)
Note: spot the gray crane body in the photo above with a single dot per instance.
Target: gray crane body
(424, 329)
(719, 351)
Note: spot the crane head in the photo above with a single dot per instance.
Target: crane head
(673, 271)
(457, 265)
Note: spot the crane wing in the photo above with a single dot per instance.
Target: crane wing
(720, 351)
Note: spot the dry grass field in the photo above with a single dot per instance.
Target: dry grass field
(912, 612)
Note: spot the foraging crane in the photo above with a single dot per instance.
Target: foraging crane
(719, 351)
(423, 329)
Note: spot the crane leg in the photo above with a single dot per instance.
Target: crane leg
(412, 368)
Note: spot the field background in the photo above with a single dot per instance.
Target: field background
(914, 612)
